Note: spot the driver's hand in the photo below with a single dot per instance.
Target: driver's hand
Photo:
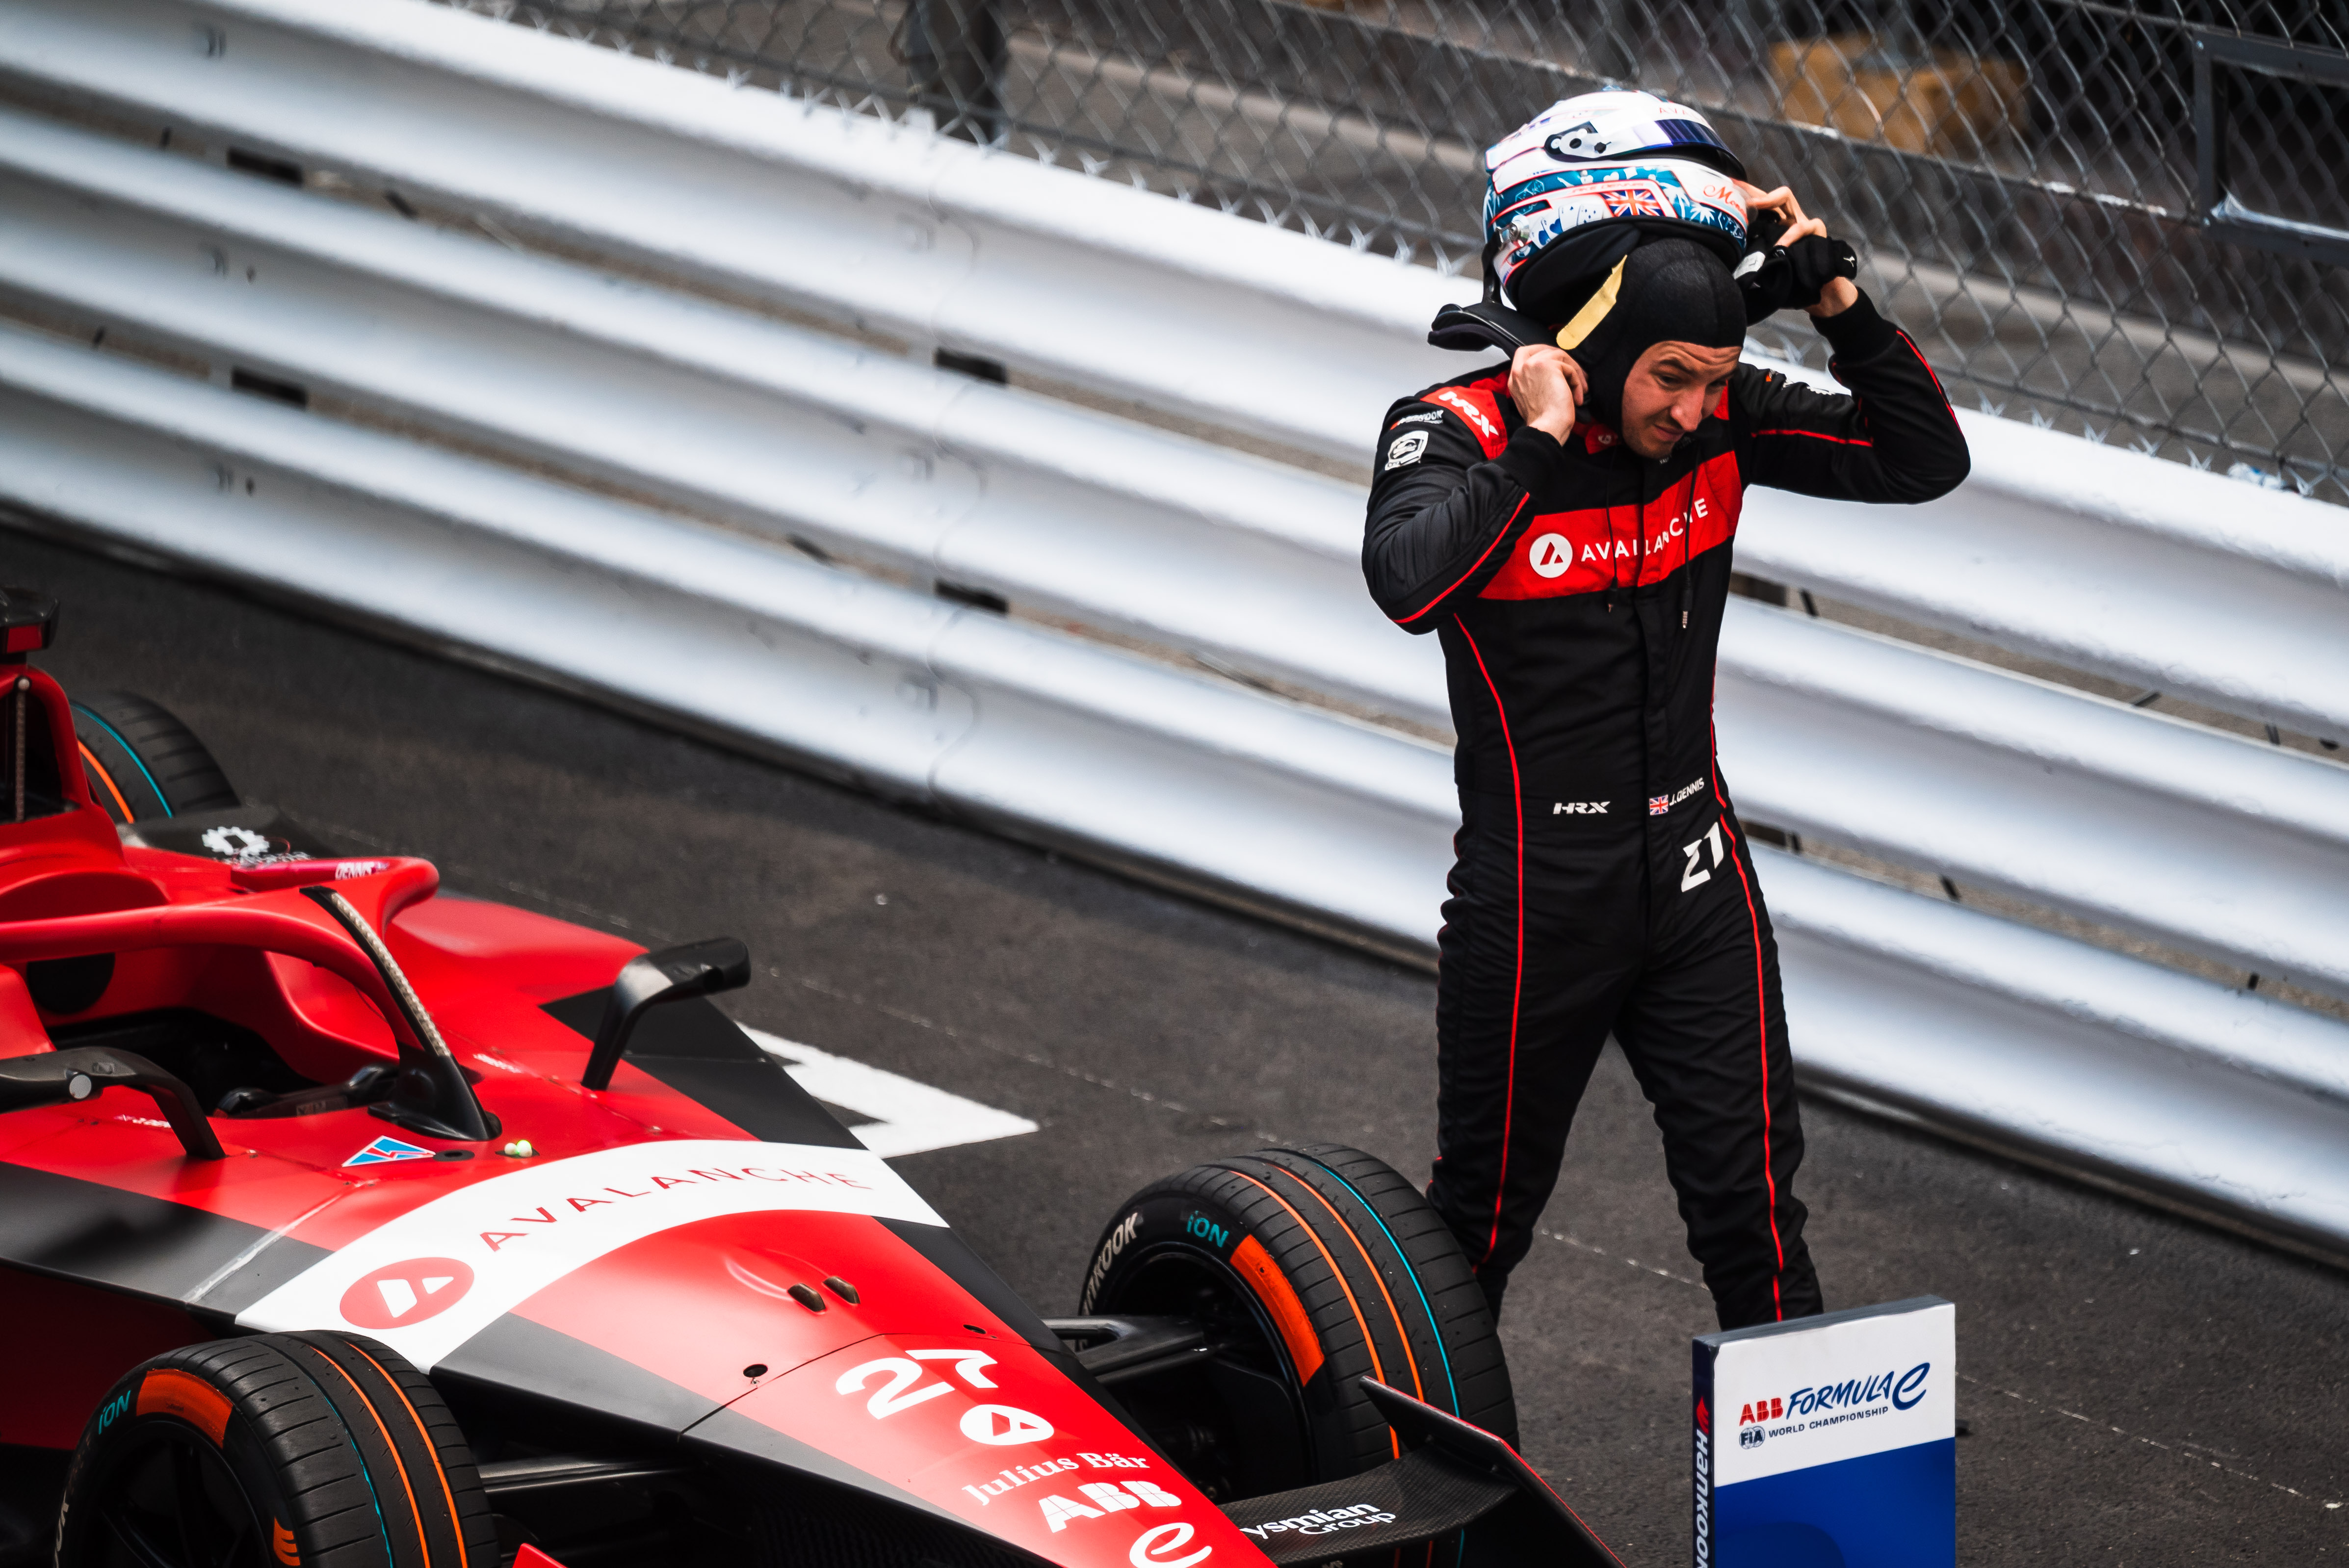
(1788, 210)
(1816, 273)
(1546, 384)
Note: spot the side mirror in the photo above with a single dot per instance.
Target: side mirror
(61, 1077)
(672, 975)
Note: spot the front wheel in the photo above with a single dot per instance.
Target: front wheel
(1310, 1268)
(286, 1450)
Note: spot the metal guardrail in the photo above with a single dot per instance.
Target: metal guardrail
(2145, 572)
(885, 686)
(787, 433)
(779, 433)
(861, 223)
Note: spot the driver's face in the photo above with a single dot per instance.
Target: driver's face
(1670, 389)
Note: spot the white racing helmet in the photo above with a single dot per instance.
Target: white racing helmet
(1571, 192)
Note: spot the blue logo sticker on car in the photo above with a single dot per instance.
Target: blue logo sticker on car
(384, 1149)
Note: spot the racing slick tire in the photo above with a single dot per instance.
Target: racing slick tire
(309, 1450)
(1343, 1269)
(143, 762)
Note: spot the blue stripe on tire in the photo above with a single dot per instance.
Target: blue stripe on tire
(1435, 1328)
(132, 752)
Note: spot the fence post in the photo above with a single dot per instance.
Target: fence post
(955, 51)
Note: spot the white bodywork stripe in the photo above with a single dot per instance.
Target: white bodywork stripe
(523, 1230)
(909, 1117)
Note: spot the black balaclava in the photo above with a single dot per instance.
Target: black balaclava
(1666, 290)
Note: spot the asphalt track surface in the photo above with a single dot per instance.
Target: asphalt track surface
(2139, 1389)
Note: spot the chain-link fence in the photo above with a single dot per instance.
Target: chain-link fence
(2130, 219)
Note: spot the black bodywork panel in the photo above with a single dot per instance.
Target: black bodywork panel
(98, 1235)
(697, 1051)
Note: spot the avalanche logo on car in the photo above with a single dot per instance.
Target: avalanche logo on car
(399, 1293)
(520, 1231)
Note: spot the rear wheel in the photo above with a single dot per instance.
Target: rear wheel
(278, 1451)
(1310, 1267)
(143, 764)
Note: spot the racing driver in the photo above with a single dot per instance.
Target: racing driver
(1563, 523)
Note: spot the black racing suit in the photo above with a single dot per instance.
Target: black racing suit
(1602, 881)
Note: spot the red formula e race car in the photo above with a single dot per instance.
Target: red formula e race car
(346, 1224)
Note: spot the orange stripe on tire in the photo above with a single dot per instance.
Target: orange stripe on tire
(423, 1541)
(1279, 1298)
(1402, 1333)
(1356, 1237)
(464, 1557)
(89, 759)
(1378, 1366)
(168, 1391)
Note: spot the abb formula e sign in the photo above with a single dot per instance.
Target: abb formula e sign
(1830, 1441)
(428, 1280)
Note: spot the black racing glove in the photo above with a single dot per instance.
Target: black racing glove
(1773, 277)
